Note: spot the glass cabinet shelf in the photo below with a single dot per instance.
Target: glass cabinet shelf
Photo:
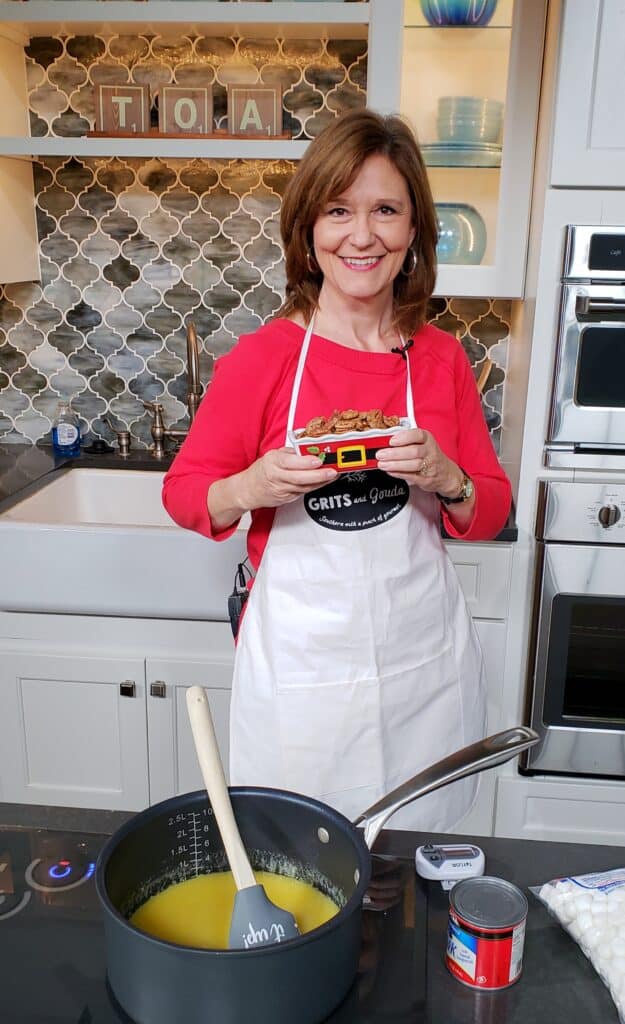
(423, 26)
(459, 90)
(461, 156)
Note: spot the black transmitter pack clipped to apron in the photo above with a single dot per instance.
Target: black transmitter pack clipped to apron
(239, 595)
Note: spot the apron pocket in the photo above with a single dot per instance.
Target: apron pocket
(330, 736)
(429, 712)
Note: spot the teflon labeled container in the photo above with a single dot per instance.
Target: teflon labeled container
(486, 932)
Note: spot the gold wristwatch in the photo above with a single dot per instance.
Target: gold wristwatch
(466, 491)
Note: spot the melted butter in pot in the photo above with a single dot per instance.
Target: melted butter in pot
(198, 912)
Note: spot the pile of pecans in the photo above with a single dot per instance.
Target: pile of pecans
(348, 420)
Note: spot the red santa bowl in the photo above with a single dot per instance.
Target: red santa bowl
(354, 450)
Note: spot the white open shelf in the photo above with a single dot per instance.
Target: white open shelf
(155, 146)
(191, 17)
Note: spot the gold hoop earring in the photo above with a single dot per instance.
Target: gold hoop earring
(311, 263)
(415, 260)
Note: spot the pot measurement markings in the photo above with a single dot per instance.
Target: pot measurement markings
(191, 839)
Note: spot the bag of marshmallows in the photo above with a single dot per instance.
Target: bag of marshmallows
(592, 910)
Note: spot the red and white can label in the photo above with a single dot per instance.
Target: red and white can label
(484, 958)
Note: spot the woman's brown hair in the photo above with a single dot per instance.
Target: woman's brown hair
(328, 167)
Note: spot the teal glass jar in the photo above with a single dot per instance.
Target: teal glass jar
(461, 234)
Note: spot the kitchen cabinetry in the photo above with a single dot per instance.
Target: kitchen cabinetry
(484, 573)
(72, 730)
(172, 761)
(589, 132)
(17, 208)
(511, 51)
(80, 727)
(89, 730)
(502, 62)
(20, 23)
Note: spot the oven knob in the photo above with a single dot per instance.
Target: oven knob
(608, 515)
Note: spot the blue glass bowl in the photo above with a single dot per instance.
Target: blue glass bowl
(461, 234)
(467, 13)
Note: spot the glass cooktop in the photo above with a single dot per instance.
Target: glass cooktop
(53, 956)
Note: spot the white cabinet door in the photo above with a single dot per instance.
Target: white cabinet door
(172, 759)
(484, 574)
(492, 634)
(589, 132)
(72, 731)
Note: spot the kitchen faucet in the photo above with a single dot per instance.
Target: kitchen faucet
(194, 385)
(159, 431)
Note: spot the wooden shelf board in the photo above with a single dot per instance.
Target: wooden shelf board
(178, 147)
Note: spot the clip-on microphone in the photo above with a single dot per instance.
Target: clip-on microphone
(403, 348)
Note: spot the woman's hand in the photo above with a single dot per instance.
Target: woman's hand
(281, 476)
(415, 457)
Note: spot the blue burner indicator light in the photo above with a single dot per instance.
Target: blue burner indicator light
(90, 870)
(60, 870)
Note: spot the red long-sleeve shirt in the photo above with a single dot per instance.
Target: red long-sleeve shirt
(244, 414)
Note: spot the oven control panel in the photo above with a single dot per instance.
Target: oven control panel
(592, 513)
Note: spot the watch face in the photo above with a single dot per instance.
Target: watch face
(467, 488)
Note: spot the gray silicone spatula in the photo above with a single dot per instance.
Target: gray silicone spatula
(256, 921)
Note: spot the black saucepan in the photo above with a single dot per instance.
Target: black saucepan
(297, 982)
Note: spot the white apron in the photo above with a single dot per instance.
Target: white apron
(357, 662)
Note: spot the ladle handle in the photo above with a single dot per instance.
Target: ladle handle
(477, 757)
(215, 781)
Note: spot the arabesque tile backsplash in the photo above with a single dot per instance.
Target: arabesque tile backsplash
(132, 249)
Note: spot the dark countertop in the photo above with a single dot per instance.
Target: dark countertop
(402, 978)
(559, 984)
(25, 468)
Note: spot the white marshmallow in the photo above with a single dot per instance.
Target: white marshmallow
(566, 909)
(617, 969)
(583, 902)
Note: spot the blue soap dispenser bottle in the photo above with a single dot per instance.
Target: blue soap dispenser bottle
(66, 430)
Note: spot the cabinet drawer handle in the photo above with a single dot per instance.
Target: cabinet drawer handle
(158, 689)
(128, 688)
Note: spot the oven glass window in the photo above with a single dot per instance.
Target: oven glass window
(586, 663)
(601, 367)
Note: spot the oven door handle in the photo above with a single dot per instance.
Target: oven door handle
(585, 306)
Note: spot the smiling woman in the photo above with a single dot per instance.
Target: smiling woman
(357, 661)
(374, 163)
(361, 238)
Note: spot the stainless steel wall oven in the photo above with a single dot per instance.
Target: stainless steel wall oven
(576, 693)
(588, 405)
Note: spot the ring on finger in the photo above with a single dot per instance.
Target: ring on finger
(425, 465)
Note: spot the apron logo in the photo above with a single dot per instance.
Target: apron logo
(357, 501)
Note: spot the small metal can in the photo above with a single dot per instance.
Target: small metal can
(486, 932)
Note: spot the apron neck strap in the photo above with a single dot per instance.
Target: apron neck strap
(298, 375)
(300, 371)
(409, 400)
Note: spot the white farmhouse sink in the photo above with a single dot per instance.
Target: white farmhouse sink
(99, 542)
